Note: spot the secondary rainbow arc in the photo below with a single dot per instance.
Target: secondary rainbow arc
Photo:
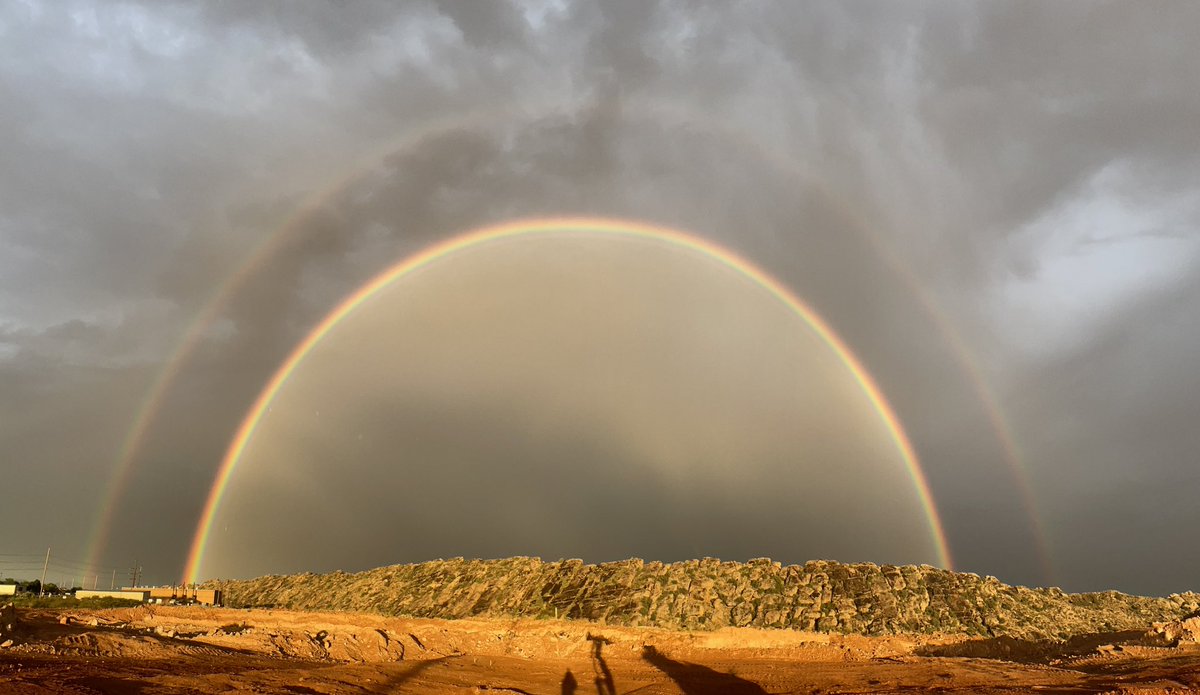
(562, 225)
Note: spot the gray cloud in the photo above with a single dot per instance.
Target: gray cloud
(1008, 180)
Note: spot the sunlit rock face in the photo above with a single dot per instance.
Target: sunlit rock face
(542, 395)
(708, 594)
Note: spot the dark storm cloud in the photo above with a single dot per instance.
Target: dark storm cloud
(150, 148)
(1115, 421)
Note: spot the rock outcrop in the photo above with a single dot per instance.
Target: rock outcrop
(710, 594)
(1175, 632)
(8, 626)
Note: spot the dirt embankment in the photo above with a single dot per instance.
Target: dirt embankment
(200, 651)
(709, 594)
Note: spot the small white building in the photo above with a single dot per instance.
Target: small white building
(8, 589)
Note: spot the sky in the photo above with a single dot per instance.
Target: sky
(992, 204)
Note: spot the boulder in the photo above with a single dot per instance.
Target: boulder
(1175, 632)
(9, 625)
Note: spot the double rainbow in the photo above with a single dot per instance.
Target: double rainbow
(652, 110)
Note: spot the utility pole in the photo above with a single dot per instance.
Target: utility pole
(113, 586)
(45, 566)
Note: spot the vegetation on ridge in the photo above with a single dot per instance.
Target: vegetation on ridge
(709, 594)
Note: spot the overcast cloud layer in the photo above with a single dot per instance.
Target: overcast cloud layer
(1011, 182)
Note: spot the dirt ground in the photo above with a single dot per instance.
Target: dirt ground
(212, 650)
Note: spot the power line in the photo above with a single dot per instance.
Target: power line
(6, 558)
(68, 571)
(12, 564)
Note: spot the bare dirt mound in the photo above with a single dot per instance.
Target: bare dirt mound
(207, 650)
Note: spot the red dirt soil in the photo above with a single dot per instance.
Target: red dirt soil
(211, 650)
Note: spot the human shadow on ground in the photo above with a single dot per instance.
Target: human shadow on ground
(694, 679)
(604, 676)
(569, 684)
(396, 680)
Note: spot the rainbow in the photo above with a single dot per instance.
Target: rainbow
(551, 226)
(996, 419)
(654, 110)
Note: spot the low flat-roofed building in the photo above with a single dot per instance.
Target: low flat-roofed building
(8, 589)
(209, 597)
(181, 594)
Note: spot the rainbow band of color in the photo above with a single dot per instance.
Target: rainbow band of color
(549, 226)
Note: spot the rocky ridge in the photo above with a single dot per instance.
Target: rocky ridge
(709, 594)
